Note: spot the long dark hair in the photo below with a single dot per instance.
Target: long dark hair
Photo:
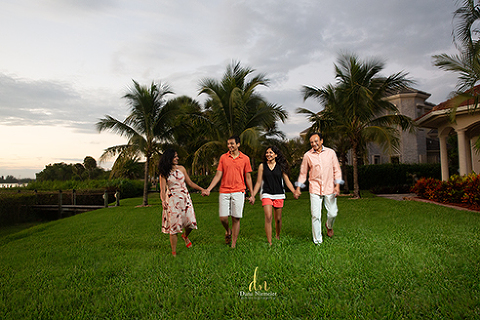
(166, 163)
(282, 162)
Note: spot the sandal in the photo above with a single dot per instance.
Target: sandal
(174, 253)
(189, 243)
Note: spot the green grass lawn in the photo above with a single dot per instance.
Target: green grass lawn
(387, 260)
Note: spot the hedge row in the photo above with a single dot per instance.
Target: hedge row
(378, 178)
(392, 178)
(15, 208)
(457, 189)
(128, 188)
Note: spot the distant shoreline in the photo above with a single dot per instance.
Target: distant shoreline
(12, 185)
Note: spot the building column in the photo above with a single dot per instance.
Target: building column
(444, 157)
(462, 152)
(470, 151)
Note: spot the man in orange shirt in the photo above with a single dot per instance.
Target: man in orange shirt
(233, 170)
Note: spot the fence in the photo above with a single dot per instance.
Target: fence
(70, 206)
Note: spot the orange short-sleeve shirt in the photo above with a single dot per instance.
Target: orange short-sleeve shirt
(233, 172)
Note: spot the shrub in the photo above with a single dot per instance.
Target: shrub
(14, 208)
(457, 189)
(128, 188)
(392, 178)
(471, 190)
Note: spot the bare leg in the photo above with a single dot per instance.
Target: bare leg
(267, 209)
(187, 232)
(185, 237)
(225, 224)
(278, 221)
(173, 243)
(235, 230)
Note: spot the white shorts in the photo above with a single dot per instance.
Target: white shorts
(231, 204)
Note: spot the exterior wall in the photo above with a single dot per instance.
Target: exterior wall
(467, 128)
(413, 146)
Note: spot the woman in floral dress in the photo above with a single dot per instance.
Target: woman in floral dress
(178, 213)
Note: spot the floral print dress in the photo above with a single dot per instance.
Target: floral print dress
(180, 213)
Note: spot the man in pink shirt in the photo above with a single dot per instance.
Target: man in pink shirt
(324, 177)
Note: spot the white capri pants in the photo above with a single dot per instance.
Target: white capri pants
(316, 209)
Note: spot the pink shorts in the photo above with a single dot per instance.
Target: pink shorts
(276, 203)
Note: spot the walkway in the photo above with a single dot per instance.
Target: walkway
(414, 197)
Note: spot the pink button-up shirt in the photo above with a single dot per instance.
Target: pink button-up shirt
(323, 171)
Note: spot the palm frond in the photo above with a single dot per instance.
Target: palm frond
(116, 150)
(120, 128)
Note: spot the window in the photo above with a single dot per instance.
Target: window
(395, 159)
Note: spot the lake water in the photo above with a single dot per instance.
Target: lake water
(12, 185)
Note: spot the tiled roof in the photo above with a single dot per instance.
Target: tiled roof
(406, 90)
(449, 103)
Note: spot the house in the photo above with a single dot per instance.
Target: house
(466, 126)
(420, 146)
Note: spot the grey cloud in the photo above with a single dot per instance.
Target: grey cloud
(74, 7)
(43, 102)
(185, 42)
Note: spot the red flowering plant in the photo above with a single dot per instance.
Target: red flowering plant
(456, 190)
(427, 188)
(471, 190)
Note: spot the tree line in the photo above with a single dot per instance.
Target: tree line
(73, 171)
(352, 112)
(13, 179)
(352, 116)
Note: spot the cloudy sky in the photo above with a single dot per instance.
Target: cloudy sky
(64, 64)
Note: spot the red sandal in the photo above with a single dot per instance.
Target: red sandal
(189, 243)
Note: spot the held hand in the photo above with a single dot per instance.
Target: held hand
(164, 205)
(205, 193)
(251, 199)
(337, 190)
(296, 194)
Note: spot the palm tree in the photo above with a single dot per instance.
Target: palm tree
(148, 125)
(234, 107)
(467, 62)
(356, 109)
(127, 166)
(192, 130)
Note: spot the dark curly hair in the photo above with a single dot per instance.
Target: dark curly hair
(166, 163)
(280, 159)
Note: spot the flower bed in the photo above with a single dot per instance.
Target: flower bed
(464, 191)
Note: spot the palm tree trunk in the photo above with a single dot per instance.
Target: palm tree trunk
(356, 187)
(145, 183)
(343, 156)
